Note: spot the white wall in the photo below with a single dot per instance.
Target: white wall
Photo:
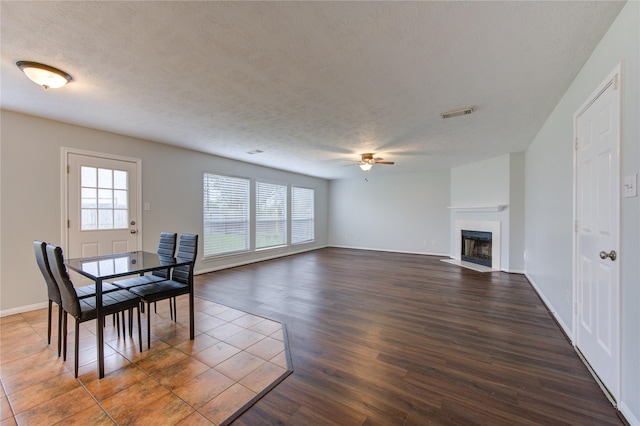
(391, 212)
(549, 194)
(171, 183)
(516, 212)
(483, 183)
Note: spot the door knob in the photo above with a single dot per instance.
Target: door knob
(611, 255)
(133, 231)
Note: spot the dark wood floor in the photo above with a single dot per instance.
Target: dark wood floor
(397, 339)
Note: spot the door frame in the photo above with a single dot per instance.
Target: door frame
(614, 78)
(64, 193)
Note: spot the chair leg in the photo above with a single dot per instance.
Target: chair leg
(64, 344)
(175, 310)
(124, 327)
(139, 330)
(49, 323)
(116, 319)
(59, 329)
(148, 326)
(77, 349)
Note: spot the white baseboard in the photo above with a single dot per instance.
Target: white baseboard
(622, 407)
(255, 260)
(567, 330)
(390, 251)
(21, 309)
(628, 415)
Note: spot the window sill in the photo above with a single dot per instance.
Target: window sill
(492, 208)
(270, 248)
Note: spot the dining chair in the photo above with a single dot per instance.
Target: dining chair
(40, 249)
(84, 309)
(166, 247)
(83, 291)
(52, 289)
(181, 281)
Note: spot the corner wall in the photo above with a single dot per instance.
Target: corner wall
(391, 212)
(549, 197)
(493, 182)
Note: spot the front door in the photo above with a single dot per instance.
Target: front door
(598, 233)
(102, 205)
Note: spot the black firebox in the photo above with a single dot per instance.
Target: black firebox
(476, 247)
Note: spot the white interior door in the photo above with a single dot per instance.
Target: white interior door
(598, 233)
(102, 205)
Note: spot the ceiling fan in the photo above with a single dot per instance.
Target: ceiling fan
(368, 161)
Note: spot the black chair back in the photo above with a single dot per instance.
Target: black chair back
(187, 250)
(40, 249)
(167, 244)
(166, 247)
(70, 302)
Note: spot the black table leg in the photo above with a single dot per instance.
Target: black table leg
(191, 316)
(99, 328)
(191, 304)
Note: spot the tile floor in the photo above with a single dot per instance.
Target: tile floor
(235, 358)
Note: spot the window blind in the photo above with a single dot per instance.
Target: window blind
(226, 215)
(271, 215)
(302, 215)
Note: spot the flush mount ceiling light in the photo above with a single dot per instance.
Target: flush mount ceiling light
(44, 75)
(457, 112)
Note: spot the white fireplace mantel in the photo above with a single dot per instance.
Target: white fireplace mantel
(491, 208)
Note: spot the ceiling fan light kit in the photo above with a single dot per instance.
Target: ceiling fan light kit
(368, 161)
(458, 112)
(365, 166)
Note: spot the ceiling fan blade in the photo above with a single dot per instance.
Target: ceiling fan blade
(384, 162)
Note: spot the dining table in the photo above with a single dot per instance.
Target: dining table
(110, 266)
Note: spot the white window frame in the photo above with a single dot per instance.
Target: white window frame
(307, 215)
(209, 216)
(273, 210)
(94, 193)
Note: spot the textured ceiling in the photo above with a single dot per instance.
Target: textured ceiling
(312, 84)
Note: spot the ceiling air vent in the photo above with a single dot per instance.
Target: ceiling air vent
(457, 112)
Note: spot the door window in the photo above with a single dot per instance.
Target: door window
(104, 196)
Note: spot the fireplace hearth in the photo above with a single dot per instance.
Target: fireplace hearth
(476, 247)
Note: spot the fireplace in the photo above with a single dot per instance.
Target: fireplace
(490, 253)
(476, 247)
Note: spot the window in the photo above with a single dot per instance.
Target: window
(104, 199)
(302, 213)
(271, 215)
(226, 215)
